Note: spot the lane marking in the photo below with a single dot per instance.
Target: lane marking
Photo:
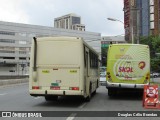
(3, 94)
(72, 116)
(82, 106)
(37, 97)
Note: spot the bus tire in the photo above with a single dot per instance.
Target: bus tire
(51, 97)
(97, 84)
(112, 92)
(94, 92)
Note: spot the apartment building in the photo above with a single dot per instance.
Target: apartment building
(141, 18)
(69, 21)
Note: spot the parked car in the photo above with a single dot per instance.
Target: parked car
(103, 78)
(155, 74)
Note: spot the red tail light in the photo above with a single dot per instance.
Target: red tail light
(108, 73)
(74, 88)
(35, 87)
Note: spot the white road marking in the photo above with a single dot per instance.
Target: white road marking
(37, 97)
(82, 106)
(72, 116)
(3, 94)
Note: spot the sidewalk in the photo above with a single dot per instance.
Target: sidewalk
(13, 81)
(155, 80)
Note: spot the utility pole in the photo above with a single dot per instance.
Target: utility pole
(156, 17)
(138, 25)
(135, 22)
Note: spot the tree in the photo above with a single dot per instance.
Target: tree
(154, 44)
(104, 56)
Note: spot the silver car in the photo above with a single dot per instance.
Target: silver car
(103, 79)
(155, 74)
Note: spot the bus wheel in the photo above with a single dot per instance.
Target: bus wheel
(94, 92)
(51, 97)
(97, 84)
(111, 92)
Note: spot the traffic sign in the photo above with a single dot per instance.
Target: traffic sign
(150, 97)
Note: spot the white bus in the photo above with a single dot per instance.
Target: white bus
(63, 66)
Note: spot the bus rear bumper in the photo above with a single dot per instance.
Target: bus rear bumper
(54, 92)
(124, 85)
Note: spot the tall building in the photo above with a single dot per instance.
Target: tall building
(154, 16)
(70, 21)
(15, 44)
(141, 18)
(129, 20)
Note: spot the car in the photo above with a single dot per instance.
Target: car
(103, 79)
(155, 74)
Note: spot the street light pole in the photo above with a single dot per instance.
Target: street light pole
(113, 19)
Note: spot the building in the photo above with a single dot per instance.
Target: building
(141, 18)
(154, 6)
(15, 44)
(105, 42)
(70, 21)
(131, 17)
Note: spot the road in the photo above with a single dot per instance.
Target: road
(17, 98)
(156, 80)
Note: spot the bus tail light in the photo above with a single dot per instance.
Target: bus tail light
(108, 73)
(146, 80)
(109, 76)
(74, 88)
(55, 88)
(35, 87)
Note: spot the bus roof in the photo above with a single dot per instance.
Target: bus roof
(66, 38)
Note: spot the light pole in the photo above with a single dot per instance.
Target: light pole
(113, 19)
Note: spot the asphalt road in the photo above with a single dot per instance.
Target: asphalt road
(17, 98)
(156, 80)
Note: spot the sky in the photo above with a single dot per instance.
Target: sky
(94, 13)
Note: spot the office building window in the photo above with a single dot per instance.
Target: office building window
(22, 48)
(66, 23)
(22, 52)
(7, 33)
(7, 41)
(22, 58)
(8, 57)
(6, 51)
(22, 42)
(75, 20)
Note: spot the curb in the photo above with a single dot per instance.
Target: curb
(13, 81)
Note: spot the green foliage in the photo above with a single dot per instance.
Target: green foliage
(104, 56)
(154, 44)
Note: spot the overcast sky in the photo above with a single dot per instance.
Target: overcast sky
(94, 13)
